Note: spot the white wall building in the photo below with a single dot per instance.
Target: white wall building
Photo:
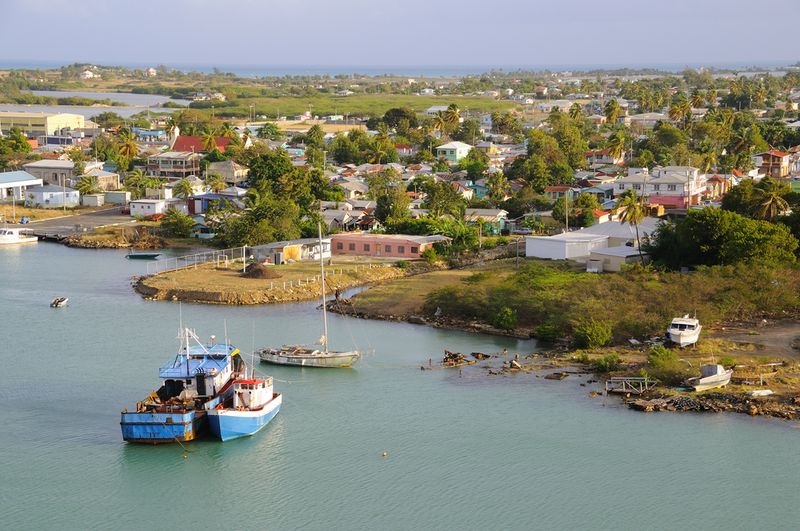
(147, 207)
(51, 196)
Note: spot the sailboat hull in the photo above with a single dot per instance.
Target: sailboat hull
(309, 358)
(227, 424)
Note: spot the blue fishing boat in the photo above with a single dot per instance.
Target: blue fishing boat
(252, 406)
(198, 379)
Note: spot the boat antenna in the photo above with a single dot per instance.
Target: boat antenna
(324, 309)
(225, 326)
(252, 351)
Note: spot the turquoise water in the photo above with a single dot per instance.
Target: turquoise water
(465, 451)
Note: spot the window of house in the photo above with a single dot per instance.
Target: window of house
(366, 247)
(401, 249)
(637, 186)
(656, 187)
(388, 249)
(414, 250)
(621, 186)
(339, 245)
(671, 187)
(351, 246)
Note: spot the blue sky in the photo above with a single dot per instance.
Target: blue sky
(502, 33)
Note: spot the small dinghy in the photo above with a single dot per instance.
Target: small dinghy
(59, 302)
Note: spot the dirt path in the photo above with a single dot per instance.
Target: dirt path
(779, 338)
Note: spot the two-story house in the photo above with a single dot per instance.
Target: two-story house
(174, 164)
(773, 163)
(670, 186)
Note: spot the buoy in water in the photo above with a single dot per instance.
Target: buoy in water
(385, 455)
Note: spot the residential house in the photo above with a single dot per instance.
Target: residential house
(555, 192)
(52, 196)
(303, 249)
(231, 172)
(14, 184)
(602, 157)
(106, 180)
(384, 245)
(670, 186)
(353, 188)
(196, 144)
(147, 207)
(174, 164)
(453, 151)
(773, 163)
(58, 172)
(493, 220)
(435, 109)
(646, 120)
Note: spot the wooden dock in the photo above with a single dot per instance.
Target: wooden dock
(634, 385)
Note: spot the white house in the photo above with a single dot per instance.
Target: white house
(147, 207)
(569, 245)
(432, 111)
(51, 196)
(14, 183)
(666, 185)
(453, 151)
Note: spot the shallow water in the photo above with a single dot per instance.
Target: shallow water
(466, 451)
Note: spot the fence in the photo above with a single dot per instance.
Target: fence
(220, 257)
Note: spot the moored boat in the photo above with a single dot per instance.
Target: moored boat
(59, 302)
(198, 379)
(712, 376)
(142, 256)
(684, 331)
(9, 236)
(303, 355)
(252, 406)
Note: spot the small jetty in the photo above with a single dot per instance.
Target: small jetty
(634, 385)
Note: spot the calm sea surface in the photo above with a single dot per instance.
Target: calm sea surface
(465, 452)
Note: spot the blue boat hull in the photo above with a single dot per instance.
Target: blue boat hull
(230, 424)
(155, 428)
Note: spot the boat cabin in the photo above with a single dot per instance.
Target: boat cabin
(252, 393)
(198, 371)
(684, 324)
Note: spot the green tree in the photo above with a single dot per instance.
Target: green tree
(612, 111)
(475, 163)
(269, 131)
(87, 185)
(183, 189)
(632, 212)
(215, 182)
(498, 186)
(177, 224)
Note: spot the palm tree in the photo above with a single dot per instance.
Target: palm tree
(209, 141)
(215, 182)
(227, 131)
(697, 99)
(87, 185)
(612, 111)
(711, 97)
(440, 124)
(616, 145)
(128, 148)
(772, 205)
(633, 212)
(183, 189)
(576, 111)
(452, 116)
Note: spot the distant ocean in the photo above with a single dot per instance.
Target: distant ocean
(405, 71)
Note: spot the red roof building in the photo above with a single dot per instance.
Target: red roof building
(195, 143)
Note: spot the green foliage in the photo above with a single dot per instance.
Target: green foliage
(591, 333)
(177, 224)
(712, 236)
(430, 256)
(665, 365)
(505, 318)
(608, 363)
(547, 332)
(87, 185)
(402, 264)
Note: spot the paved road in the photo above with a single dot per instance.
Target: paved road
(90, 221)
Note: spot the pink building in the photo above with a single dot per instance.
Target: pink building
(383, 245)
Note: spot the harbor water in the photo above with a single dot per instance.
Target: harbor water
(465, 450)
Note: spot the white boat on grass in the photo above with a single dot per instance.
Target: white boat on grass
(306, 355)
(684, 331)
(712, 376)
(13, 236)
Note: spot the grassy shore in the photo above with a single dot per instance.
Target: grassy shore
(8, 211)
(225, 284)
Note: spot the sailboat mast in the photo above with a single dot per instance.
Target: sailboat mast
(324, 309)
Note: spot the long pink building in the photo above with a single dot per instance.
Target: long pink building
(383, 245)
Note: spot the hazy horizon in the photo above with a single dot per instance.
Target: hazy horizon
(411, 34)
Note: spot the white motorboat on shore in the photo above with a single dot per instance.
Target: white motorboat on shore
(9, 236)
(684, 331)
(712, 376)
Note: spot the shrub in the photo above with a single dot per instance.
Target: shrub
(430, 256)
(505, 318)
(665, 365)
(402, 264)
(176, 223)
(607, 363)
(592, 334)
(727, 361)
(547, 332)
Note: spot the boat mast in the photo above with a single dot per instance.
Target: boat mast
(324, 309)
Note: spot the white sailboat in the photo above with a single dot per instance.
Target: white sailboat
(308, 356)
